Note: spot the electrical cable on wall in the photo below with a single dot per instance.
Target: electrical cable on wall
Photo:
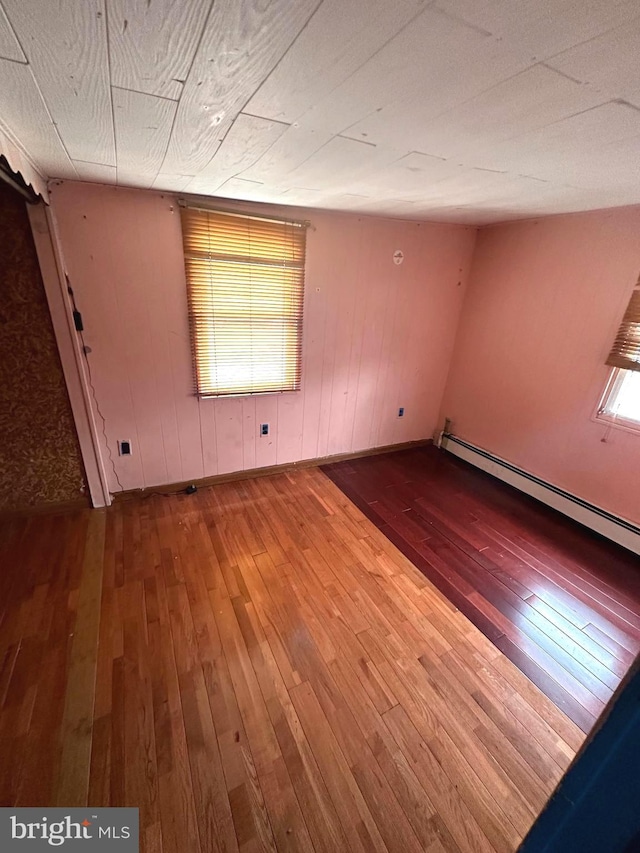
(77, 319)
(79, 326)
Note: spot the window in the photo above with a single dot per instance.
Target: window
(245, 288)
(621, 400)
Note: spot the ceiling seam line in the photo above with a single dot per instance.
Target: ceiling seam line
(186, 78)
(378, 50)
(109, 70)
(146, 94)
(53, 124)
(302, 29)
(593, 38)
(14, 33)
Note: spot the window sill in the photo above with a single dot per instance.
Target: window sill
(617, 423)
(244, 394)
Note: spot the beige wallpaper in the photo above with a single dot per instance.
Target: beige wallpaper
(39, 455)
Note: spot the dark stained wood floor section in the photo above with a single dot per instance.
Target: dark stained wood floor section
(562, 603)
(258, 668)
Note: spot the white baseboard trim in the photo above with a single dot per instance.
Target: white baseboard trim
(613, 527)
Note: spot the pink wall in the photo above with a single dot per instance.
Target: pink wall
(376, 336)
(544, 301)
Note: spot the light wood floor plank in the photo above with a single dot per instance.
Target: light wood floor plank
(257, 668)
(77, 724)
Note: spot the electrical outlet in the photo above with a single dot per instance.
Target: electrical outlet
(401, 412)
(124, 447)
(264, 429)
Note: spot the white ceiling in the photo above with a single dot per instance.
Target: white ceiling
(458, 110)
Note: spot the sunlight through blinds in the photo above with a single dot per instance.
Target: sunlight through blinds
(245, 283)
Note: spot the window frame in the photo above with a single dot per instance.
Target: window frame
(244, 213)
(611, 388)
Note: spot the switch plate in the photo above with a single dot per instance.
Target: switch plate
(264, 429)
(124, 447)
(401, 412)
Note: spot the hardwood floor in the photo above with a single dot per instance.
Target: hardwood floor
(257, 667)
(561, 603)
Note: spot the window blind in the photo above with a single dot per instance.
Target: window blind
(245, 288)
(625, 352)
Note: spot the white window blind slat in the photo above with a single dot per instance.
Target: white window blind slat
(625, 352)
(245, 287)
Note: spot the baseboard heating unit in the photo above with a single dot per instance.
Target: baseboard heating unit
(611, 526)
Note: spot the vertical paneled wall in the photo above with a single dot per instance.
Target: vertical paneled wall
(377, 336)
(39, 456)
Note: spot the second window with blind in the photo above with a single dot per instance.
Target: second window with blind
(245, 288)
(620, 404)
